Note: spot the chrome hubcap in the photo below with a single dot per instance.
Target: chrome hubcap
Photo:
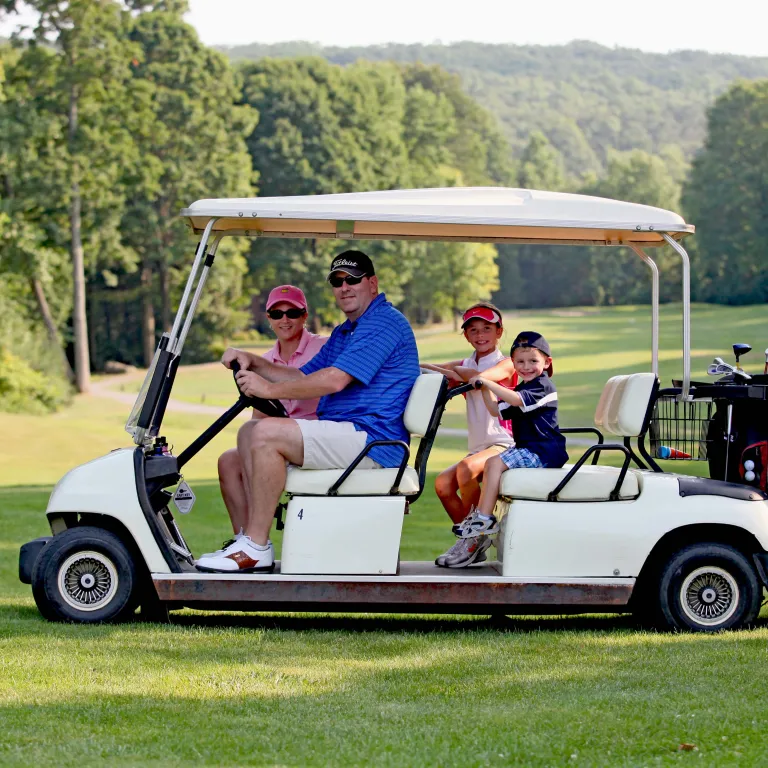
(88, 581)
(709, 596)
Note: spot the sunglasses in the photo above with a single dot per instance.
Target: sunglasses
(337, 282)
(293, 314)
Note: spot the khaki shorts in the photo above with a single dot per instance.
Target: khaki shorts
(498, 447)
(333, 445)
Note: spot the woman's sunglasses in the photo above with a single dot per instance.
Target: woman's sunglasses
(337, 282)
(293, 314)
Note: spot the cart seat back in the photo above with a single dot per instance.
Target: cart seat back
(622, 410)
(590, 483)
(623, 404)
(421, 419)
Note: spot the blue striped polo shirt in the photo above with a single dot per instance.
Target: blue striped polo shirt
(379, 351)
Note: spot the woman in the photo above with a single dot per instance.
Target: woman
(295, 345)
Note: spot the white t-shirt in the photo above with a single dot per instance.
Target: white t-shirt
(484, 429)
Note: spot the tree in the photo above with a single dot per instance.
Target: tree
(618, 276)
(451, 276)
(191, 144)
(89, 72)
(541, 165)
(726, 198)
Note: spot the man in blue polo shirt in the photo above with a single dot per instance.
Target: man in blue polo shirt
(363, 375)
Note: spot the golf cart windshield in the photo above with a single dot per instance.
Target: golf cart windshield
(485, 214)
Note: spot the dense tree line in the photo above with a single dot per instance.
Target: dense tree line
(114, 116)
(588, 100)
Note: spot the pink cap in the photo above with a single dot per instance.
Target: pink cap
(289, 293)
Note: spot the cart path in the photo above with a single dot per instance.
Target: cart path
(106, 388)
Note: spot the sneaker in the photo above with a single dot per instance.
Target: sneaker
(440, 559)
(470, 550)
(475, 524)
(241, 556)
(226, 544)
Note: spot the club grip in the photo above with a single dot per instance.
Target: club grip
(235, 367)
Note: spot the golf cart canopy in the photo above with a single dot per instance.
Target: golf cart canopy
(479, 214)
(468, 214)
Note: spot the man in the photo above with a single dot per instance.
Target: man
(295, 345)
(363, 376)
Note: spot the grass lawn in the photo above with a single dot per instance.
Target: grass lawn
(286, 689)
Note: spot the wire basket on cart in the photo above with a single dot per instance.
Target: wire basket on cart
(681, 429)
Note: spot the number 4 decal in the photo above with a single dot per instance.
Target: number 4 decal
(301, 514)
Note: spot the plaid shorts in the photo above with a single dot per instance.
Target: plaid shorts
(520, 458)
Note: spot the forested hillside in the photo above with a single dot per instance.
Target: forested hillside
(585, 98)
(114, 116)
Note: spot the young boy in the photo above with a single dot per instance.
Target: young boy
(458, 487)
(532, 407)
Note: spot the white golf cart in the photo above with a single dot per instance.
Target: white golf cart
(684, 552)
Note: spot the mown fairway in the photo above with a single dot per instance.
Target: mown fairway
(229, 689)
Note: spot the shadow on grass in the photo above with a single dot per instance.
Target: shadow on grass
(25, 620)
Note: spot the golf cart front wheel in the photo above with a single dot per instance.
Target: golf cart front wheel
(86, 575)
(709, 587)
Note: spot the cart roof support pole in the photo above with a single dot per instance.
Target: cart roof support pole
(686, 314)
(654, 306)
(196, 298)
(190, 282)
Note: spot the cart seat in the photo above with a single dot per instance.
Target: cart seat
(421, 418)
(362, 482)
(590, 483)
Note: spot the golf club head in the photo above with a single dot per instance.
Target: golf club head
(741, 349)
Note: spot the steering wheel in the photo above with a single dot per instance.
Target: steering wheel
(267, 407)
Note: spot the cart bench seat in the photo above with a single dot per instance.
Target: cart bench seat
(590, 483)
(362, 482)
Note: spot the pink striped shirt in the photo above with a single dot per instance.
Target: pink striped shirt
(309, 346)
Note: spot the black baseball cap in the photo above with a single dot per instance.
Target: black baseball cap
(532, 340)
(355, 263)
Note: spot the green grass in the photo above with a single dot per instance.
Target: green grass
(589, 344)
(286, 689)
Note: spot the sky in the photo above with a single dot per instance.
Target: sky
(736, 26)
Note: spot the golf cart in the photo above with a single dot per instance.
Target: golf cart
(683, 552)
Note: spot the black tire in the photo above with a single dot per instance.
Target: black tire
(85, 575)
(707, 588)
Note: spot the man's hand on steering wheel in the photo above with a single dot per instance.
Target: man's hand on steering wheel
(253, 385)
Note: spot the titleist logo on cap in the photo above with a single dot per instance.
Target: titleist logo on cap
(344, 263)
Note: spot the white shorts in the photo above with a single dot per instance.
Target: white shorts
(333, 445)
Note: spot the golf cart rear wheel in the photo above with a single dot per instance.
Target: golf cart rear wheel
(709, 587)
(86, 575)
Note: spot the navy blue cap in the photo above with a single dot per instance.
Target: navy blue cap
(532, 340)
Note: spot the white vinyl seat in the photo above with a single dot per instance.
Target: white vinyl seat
(362, 482)
(421, 405)
(621, 411)
(590, 483)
